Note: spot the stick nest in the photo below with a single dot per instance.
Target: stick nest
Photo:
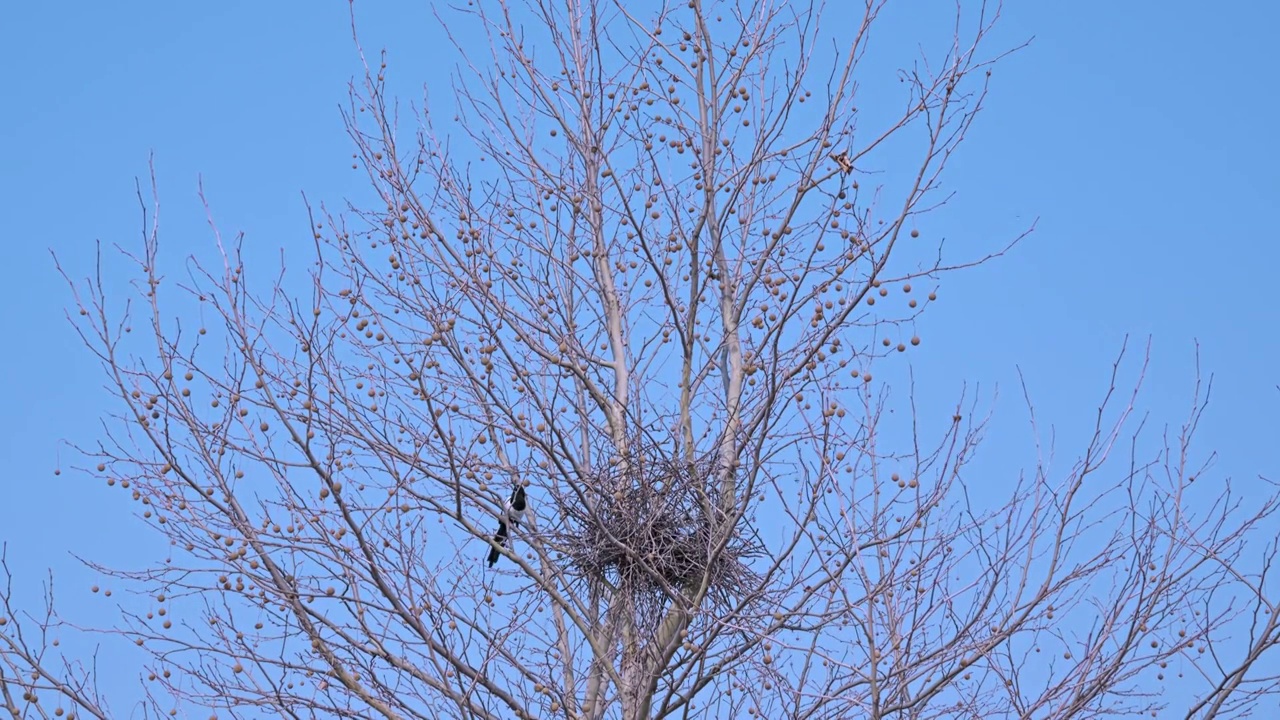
(651, 525)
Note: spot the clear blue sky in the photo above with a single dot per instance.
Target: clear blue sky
(1140, 133)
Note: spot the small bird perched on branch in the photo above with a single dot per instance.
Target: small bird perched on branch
(512, 512)
(842, 159)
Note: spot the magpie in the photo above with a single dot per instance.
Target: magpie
(512, 512)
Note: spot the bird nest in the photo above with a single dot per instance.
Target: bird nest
(652, 526)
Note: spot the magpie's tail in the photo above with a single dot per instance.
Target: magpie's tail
(499, 540)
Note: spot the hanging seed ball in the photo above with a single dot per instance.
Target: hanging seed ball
(866, 377)
(906, 288)
(911, 303)
(885, 342)
(901, 347)
(933, 296)
(915, 232)
(915, 340)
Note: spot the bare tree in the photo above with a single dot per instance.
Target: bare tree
(650, 292)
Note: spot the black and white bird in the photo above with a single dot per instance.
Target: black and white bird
(513, 513)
